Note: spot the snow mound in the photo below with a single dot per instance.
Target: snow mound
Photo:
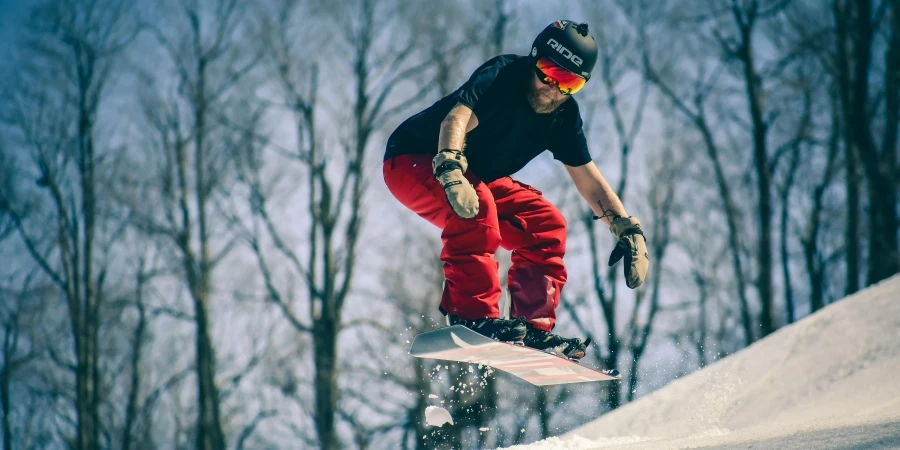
(576, 443)
(827, 381)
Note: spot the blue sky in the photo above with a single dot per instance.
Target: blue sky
(12, 14)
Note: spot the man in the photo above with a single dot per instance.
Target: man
(451, 165)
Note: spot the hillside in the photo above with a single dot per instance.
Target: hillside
(831, 380)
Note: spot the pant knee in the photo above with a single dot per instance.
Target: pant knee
(550, 238)
(479, 239)
(556, 228)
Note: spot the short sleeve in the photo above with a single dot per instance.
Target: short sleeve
(570, 146)
(480, 82)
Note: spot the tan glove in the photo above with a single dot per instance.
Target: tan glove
(449, 166)
(633, 247)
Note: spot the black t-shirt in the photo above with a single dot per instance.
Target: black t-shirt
(509, 133)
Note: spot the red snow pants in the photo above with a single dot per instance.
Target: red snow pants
(510, 214)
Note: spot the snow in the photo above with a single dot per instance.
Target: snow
(437, 416)
(831, 380)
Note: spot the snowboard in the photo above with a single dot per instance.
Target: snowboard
(460, 344)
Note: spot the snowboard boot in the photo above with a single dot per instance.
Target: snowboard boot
(504, 330)
(572, 348)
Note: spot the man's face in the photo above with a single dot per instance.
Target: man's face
(544, 98)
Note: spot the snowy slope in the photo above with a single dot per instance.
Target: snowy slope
(831, 380)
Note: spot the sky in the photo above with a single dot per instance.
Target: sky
(12, 13)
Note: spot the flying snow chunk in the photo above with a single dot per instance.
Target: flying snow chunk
(437, 416)
(432, 396)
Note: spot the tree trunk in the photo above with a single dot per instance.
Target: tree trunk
(852, 231)
(210, 435)
(325, 333)
(879, 166)
(5, 375)
(789, 309)
(815, 265)
(209, 431)
(91, 294)
(84, 292)
(745, 22)
(700, 341)
(731, 217)
(883, 244)
(662, 206)
(613, 388)
(842, 62)
(487, 403)
(698, 118)
(135, 386)
(543, 411)
(423, 385)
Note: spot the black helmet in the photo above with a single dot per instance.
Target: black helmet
(569, 45)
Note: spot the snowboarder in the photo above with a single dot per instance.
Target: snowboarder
(451, 164)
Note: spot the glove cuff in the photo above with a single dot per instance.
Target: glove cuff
(447, 160)
(625, 226)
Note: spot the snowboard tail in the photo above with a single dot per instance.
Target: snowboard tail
(460, 344)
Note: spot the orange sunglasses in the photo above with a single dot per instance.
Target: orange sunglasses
(550, 73)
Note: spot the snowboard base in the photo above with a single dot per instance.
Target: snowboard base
(460, 344)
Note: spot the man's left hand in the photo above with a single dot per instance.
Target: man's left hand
(633, 247)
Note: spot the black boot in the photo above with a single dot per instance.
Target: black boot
(572, 348)
(504, 330)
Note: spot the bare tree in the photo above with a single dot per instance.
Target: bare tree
(335, 176)
(693, 106)
(190, 166)
(488, 28)
(784, 194)
(815, 257)
(816, 262)
(140, 340)
(857, 26)
(16, 350)
(812, 36)
(735, 31)
(449, 34)
(797, 32)
(738, 45)
(662, 201)
(794, 147)
(71, 49)
(699, 335)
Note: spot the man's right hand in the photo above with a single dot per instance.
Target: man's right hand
(449, 166)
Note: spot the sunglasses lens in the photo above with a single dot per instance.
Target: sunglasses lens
(550, 73)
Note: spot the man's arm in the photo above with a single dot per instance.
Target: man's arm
(597, 191)
(608, 207)
(450, 165)
(459, 121)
